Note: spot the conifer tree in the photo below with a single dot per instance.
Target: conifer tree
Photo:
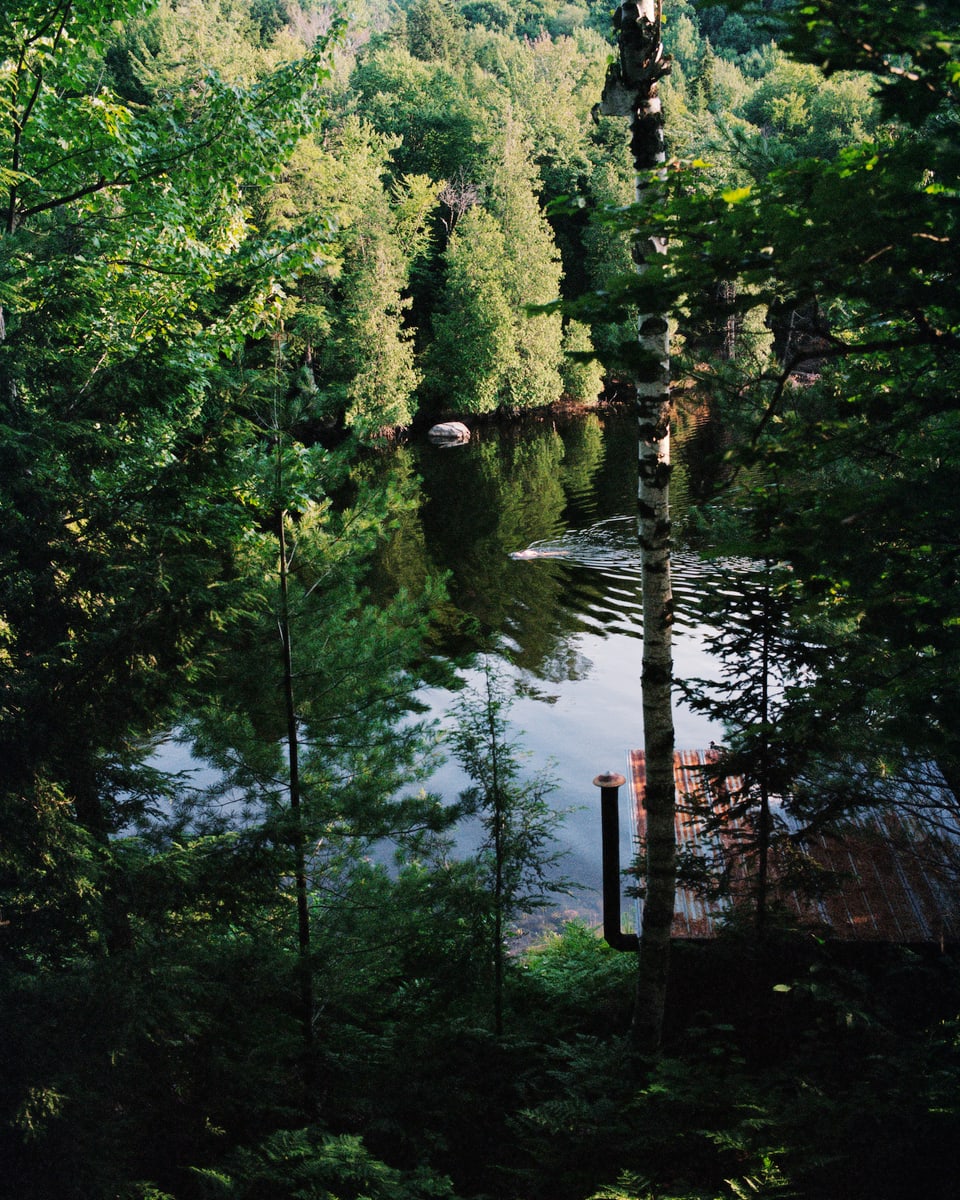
(517, 855)
(473, 343)
(532, 275)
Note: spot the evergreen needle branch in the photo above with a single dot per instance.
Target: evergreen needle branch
(927, 336)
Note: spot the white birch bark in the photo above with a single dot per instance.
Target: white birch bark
(632, 91)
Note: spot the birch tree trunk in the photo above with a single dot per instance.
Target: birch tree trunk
(632, 90)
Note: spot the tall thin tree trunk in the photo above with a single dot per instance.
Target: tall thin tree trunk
(632, 90)
(765, 824)
(498, 852)
(293, 761)
(298, 833)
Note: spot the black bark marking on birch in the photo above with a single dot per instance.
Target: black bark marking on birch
(653, 421)
(657, 675)
(646, 140)
(656, 475)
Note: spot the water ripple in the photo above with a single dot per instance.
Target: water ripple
(604, 577)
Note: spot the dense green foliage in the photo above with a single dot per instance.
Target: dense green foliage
(239, 241)
(842, 427)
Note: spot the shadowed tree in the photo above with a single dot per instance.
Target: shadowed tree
(517, 858)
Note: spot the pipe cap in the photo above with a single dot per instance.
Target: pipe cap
(611, 779)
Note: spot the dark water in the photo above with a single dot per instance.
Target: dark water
(536, 526)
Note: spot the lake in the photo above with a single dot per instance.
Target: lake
(561, 492)
(533, 522)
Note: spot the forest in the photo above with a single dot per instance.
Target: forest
(245, 245)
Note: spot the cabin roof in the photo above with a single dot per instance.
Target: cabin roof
(888, 873)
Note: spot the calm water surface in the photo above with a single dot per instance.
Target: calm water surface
(565, 614)
(562, 494)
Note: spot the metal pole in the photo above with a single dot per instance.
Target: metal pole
(609, 786)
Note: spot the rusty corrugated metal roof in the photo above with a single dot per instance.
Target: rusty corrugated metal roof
(884, 874)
